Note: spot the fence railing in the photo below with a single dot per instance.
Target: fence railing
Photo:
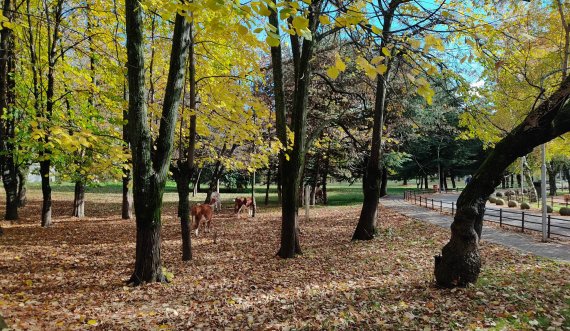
(503, 216)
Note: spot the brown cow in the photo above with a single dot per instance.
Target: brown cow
(241, 204)
(201, 217)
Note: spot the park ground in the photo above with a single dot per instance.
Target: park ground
(72, 276)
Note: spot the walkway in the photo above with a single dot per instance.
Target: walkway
(511, 216)
(518, 241)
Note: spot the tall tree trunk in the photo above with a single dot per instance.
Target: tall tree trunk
(567, 175)
(45, 153)
(126, 210)
(405, 182)
(452, 176)
(366, 227)
(79, 199)
(268, 182)
(150, 172)
(7, 121)
(552, 172)
(279, 186)
(384, 183)
(22, 181)
(183, 189)
(519, 180)
(197, 184)
(532, 193)
(291, 168)
(325, 175)
(254, 207)
(512, 180)
(46, 193)
(185, 164)
(315, 180)
(460, 262)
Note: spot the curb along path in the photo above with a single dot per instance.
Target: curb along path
(521, 242)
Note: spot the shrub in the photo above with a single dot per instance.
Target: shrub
(513, 203)
(525, 205)
(500, 202)
(549, 209)
(510, 193)
(565, 211)
(492, 199)
(499, 195)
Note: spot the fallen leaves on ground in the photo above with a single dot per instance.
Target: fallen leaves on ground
(72, 277)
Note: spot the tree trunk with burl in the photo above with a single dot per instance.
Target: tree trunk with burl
(460, 261)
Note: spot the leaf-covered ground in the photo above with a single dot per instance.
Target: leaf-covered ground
(71, 276)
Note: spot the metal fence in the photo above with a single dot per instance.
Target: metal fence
(508, 217)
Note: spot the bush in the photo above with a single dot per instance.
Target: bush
(565, 211)
(500, 202)
(525, 205)
(513, 204)
(510, 193)
(492, 199)
(549, 209)
(499, 194)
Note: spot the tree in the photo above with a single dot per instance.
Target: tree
(460, 262)
(292, 159)
(8, 115)
(150, 167)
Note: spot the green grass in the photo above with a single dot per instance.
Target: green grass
(339, 194)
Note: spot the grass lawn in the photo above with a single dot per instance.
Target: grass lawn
(71, 276)
(339, 194)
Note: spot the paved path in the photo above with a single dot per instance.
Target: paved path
(521, 242)
(560, 225)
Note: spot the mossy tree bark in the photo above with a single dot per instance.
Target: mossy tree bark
(150, 171)
(460, 262)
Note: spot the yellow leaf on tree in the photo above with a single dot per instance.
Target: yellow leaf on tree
(333, 72)
(300, 23)
(386, 51)
(324, 19)
(415, 43)
(381, 69)
(339, 64)
(377, 59)
(273, 42)
(242, 30)
(376, 29)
